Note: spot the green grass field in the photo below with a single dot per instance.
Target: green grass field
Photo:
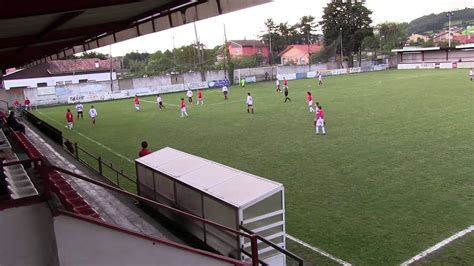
(393, 176)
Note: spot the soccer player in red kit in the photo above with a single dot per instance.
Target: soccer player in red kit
(200, 97)
(285, 82)
(27, 103)
(137, 103)
(183, 108)
(320, 121)
(16, 104)
(69, 119)
(309, 98)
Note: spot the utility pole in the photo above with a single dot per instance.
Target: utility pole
(225, 51)
(449, 15)
(111, 81)
(174, 56)
(199, 52)
(309, 55)
(271, 52)
(342, 55)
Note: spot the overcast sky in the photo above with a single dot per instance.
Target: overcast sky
(248, 23)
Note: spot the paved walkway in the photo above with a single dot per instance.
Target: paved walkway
(113, 207)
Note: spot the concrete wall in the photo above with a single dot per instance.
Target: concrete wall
(192, 77)
(151, 82)
(27, 236)
(215, 75)
(61, 94)
(81, 243)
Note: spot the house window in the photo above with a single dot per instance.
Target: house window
(83, 81)
(42, 84)
(68, 82)
(59, 83)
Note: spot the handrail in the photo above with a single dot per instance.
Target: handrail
(101, 162)
(273, 245)
(250, 255)
(252, 237)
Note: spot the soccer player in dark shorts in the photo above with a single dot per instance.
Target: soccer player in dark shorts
(286, 94)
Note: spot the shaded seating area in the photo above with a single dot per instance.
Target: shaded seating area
(17, 182)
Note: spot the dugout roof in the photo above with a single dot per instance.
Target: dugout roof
(230, 185)
(32, 32)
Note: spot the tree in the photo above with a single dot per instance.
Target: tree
(283, 34)
(349, 21)
(132, 57)
(86, 55)
(325, 54)
(306, 30)
(392, 35)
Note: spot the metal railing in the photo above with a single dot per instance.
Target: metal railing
(299, 260)
(96, 163)
(101, 166)
(47, 167)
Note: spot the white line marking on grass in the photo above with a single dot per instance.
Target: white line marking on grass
(218, 103)
(318, 250)
(439, 245)
(146, 101)
(91, 140)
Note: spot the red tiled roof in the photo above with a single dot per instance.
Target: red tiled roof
(303, 48)
(80, 65)
(252, 43)
(463, 39)
(63, 67)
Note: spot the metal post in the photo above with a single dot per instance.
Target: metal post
(309, 54)
(342, 55)
(76, 151)
(271, 53)
(253, 241)
(449, 15)
(111, 80)
(99, 160)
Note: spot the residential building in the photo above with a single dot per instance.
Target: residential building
(415, 37)
(298, 54)
(62, 72)
(239, 48)
(463, 39)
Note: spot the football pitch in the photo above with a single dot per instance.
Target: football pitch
(392, 177)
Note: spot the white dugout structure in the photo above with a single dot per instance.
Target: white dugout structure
(218, 193)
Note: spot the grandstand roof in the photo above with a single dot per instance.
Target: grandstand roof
(465, 46)
(35, 31)
(415, 49)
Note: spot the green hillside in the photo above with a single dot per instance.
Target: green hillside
(438, 22)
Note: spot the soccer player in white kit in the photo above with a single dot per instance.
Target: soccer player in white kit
(225, 91)
(93, 114)
(320, 77)
(79, 108)
(190, 96)
(249, 103)
(320, 120)
(277, 83)
(159, 101)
